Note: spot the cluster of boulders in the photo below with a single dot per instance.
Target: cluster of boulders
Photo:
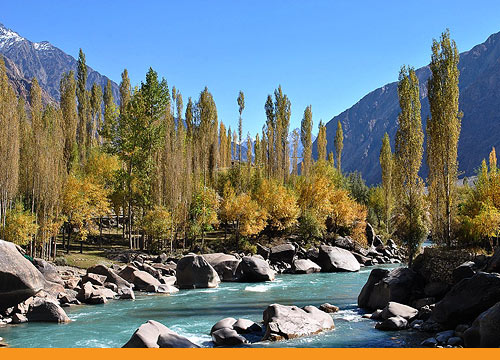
(336, 254)
(461, 306)
(280, 322)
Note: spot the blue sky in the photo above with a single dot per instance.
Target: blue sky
(325, 53)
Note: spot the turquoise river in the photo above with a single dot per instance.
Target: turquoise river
(192, 313)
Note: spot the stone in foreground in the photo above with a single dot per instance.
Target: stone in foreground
(227, 337)
(153, 334)
(288, 322)
(44, 310)
(485, 330)
(254, 269)
(19, 278)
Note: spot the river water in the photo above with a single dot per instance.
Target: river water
(192, 313)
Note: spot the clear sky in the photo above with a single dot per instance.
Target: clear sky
(325, 53)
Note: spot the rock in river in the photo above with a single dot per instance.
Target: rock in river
(153, 334)
(288, 322)
(485, 330)
(46, 310)
(305, 266)
(332, 258)
(254, 269)
(194, 272)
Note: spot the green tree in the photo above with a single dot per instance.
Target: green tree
(306, 139)
(321, 142)
(386, 164)
(443, 131)
(339, 144)
(70, 117)
(411, 224)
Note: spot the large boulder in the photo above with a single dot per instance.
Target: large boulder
(464, 271)
(263, 251)
(46, 310)
(142, 280)
(305, 266)
(111, 276)
(48, 270)
(245, 326)
(383, 286)
(392, 323)
(194, 272)
(254, 269)
(19, 278)
(127, 273)
(224, 264)
(332, 258)
(467, 299)
(224, 323)
(284, 253)
(94, 279)
(485, 330)
(288, 322)
(153, 334)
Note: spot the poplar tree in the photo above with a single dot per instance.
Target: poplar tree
(270, 136)
(125, 91)
(295, 152)
(386, 164)
(339, 145)
(321, 142)
(9, 143)
(96, 115)
(282, 109)
(83, 106)
(241, 107)
(411, 226)
(306, 139)
(443, 131)
(70, 117)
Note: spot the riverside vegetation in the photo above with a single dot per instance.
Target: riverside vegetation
(171, 183)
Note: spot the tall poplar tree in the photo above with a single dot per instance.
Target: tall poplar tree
(411, 226)
(241, 107)
(70, 118)
(443, 131)
(83, 106)
(339, 144)
(306, 139)
(321, 141)
(386, 164)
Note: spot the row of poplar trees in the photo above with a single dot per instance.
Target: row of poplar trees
(415, 212)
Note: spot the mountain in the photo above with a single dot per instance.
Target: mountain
(365, 123)
(44, 61)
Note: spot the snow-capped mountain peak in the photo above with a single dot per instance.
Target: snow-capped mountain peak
(8, 37)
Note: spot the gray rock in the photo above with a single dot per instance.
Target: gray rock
(485, 330)
(142, 279)
(153, 334)
(333, 259)
(396, 309)
(344, 243)
(224, 264)
(94, 279)
(45, 310)
(284, 253)
(376, 315)
(19, 278)
(329, 308)
(253, 269)
(48, 270)
(224, 323)
(19, 318)
(305, 266)
(383, 286)
(364, 260)
(392, 323)
(464, 271)
(127, 294)
(194, 272)
(263, 251)
(467, 299)
(245, 326)
(288, 322)
(227, 337)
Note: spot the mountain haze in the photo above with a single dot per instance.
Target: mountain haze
(365, 123)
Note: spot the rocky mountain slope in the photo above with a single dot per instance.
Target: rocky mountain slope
(44, 61)
(366, 122)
